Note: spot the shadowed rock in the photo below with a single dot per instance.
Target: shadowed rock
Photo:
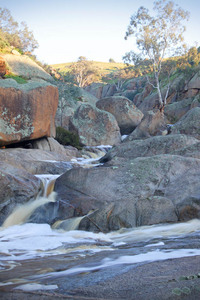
(125, 112)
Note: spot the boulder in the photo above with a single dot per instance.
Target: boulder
(153, 123)
(27, 111)
(95, 89)
(176, 110)
(189, 124)
(36, 161)
(22, 65)
(49, 144)
(194, 83)
(3, 68)
(124, 111)
(108, 90)
(94, 126)
(189, 151)
(100, 90)
(152, 146)
(16, 187)
(132, 192)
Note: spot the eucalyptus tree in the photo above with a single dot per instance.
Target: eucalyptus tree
(84, 72)
(158, 36)
(14, 34)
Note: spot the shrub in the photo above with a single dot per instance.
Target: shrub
(19, 79)
(67, 138)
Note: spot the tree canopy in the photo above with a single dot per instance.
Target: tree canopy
(14, 34)
(84, 72)
(157, 36)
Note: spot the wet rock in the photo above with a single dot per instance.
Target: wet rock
(125, 112)
(126, 189)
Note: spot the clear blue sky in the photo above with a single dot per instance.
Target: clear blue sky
(67, 29)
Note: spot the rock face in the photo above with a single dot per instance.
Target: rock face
(22, 65)
(153, 123)
(169, 144)
(176, 110)
(68, 105)
(133, 192)
(27, 111)
(100, 90)
(94, 126)
(2, 67)
(189, 123)
(36, 161)
(125, 112)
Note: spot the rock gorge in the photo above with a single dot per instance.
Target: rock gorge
(151, 177)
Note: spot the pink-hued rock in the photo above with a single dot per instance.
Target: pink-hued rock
(27, 111)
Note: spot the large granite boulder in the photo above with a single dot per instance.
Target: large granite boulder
(94, 126)
(176, 110)
(192, 88)
(155, 145)
(100, 90)
(69, 102)
(153, 123)
(132, 192)
(189, 124)
(37, 161)
(125, 112)
(22, 65)
(27, 111)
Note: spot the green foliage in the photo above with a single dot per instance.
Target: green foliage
(14, 34)
(84, 72)
(157, 36)
(19, 79)
(66, 138)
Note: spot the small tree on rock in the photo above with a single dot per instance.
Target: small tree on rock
(158, 36)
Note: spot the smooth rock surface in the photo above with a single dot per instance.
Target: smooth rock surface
(125, 112)
(94, 126)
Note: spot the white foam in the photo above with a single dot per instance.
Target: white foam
(156, 244)
(146, 233)
(132, 259)
(29, 240)
(35, 287)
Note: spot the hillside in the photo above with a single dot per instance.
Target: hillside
(104, 67)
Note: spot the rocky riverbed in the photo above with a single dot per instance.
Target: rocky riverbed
(151, 262)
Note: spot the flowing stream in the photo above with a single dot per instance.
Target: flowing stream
(33, 256)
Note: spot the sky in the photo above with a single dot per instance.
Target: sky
(68, 29)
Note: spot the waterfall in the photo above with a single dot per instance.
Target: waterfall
(48, 181)
(22, 212)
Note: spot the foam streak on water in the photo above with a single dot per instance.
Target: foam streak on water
(20, 242)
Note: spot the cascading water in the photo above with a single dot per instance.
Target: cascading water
(34, 251)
